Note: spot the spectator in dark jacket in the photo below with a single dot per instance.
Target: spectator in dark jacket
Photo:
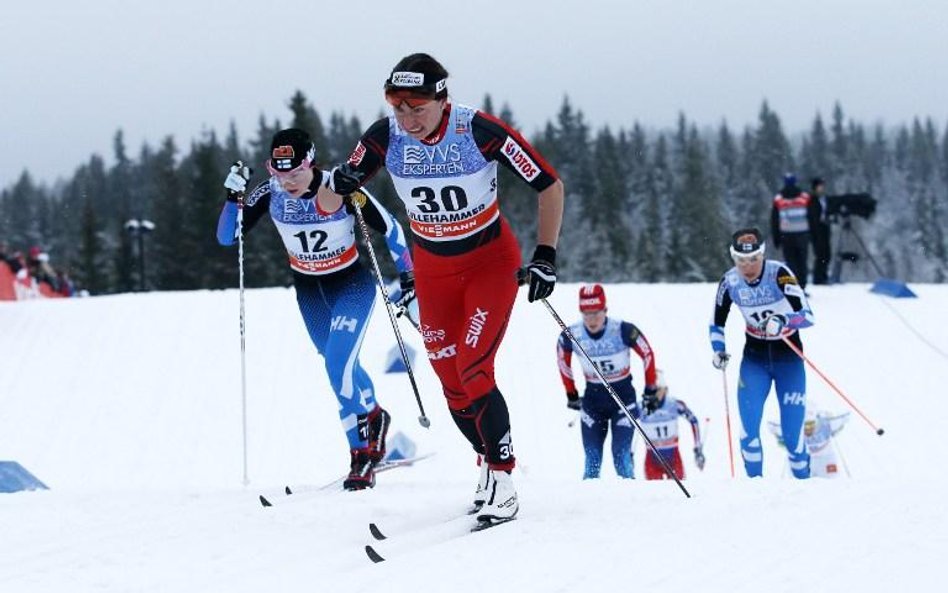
(820, 232)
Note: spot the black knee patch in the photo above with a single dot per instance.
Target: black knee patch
(465, 421)
(493, 425)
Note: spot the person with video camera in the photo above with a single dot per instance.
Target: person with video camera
(820, 231)
(791, 217)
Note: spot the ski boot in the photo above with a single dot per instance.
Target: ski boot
(480, 495)
(379, 421)
(361, 470)
(501, 503)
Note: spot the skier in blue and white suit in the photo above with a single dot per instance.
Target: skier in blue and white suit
(608, 341)
(334, 291)
(774, 307)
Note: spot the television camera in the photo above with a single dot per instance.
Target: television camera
(862, 205)
(840, 209)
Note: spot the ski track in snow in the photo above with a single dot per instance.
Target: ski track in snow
(128, 407)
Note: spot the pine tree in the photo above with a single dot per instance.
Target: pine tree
(165, 191)
(343, 136)
(264, 254)
(649, 251)
(89, 265)
(607, 212)
(839, 146)
(89, 187)
(634, 154)
(728, 166)
(120, 190)
(487, 106)
(815, 156)
(260, 146)
(655, 244)
(20, 221)
(696, 210)
(923, 172)
(517, 200)
(748, 208)
(204, 198)
(774, 158)
(567, 144)
(232, 150)
(306, 118)
(674, 202)
(943, 164)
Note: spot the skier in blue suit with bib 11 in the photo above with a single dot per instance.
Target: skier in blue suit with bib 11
(774, 307)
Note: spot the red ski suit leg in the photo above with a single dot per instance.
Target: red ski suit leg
(655, 471)
(464, 303)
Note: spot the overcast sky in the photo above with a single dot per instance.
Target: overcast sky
(75, 72)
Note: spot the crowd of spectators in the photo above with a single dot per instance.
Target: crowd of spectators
(34, 271)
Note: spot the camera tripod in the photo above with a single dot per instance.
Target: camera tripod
(848, 237)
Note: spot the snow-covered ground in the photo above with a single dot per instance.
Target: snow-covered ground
(129, 408)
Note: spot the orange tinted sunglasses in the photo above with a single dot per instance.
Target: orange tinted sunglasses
(410, 98)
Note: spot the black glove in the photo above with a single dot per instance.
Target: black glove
(699, 458)
(650, 399)
(541, 273)
(344, 179)
(407, 285)
(573, 401)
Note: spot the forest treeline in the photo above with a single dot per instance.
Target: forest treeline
(643, 204)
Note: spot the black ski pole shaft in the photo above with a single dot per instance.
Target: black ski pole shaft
(355, 198)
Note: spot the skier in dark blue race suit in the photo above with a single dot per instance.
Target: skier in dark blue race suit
(334, 291)
(609, 342)
(774, 307)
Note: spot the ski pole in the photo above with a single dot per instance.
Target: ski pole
(243, 338)
(727, 416)
(703, 434)
(799, 353)
(357, 199)
(615, 396)
(842, 458)
(402, 311)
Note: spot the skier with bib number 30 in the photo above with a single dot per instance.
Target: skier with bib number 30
(334, 291)
(442, 157)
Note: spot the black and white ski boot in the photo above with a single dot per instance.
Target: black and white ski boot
(361, 470)
(480, 494)
(501, 503)
(379, 421)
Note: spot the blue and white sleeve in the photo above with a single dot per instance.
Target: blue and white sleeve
(802, 315)
(257, 203)
(379, 218)
(722, 307)
(227, 224)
